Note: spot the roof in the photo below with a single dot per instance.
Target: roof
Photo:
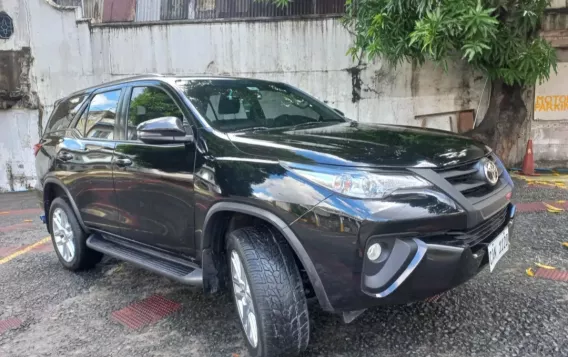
(154, 76)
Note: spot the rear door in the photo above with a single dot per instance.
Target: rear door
(154, 182)
(85, 158)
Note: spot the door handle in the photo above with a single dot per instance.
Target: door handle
(123, 162)
(65, 156)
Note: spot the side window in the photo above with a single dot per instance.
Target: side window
(101, 116)
(64, 113)
(149, 103)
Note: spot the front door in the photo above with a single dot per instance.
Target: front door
(154, 182)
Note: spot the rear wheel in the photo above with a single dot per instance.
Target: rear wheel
(69, 240)
(268, 292)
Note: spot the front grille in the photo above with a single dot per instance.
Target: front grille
(483, 230)
(474, 236)
(465, 179)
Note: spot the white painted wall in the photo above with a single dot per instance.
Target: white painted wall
(310, 54)
(18, 135)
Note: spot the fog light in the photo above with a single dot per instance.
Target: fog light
(374, 251)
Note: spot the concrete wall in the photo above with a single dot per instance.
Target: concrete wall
(69, 55)
(549, 130)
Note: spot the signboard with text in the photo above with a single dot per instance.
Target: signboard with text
(551, 97)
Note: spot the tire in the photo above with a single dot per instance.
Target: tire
(83, 257)
(276, 291)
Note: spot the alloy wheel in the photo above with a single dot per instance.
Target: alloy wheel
(243, 299)
(63, 235)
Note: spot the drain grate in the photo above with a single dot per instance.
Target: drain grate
(145, 312)
(9, 324)
(551, 274)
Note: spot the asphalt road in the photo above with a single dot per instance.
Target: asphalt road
(48, 311)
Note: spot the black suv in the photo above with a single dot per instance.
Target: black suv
(257, 187)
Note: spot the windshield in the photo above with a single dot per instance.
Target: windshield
(241, 104)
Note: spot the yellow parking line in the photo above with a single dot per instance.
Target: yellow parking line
(24, 250)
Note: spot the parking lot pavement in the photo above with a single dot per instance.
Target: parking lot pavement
(119, 310)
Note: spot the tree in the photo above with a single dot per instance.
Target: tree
(496, 37)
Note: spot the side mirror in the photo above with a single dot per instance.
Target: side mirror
(164, 130)
(339, 111)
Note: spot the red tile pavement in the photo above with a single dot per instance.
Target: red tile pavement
(46, 247)
(21, 211)
(530, 207)
(15, 227)
(145, 312)
(5, 251)
(539, 206)
(9, 324)
(552, 274)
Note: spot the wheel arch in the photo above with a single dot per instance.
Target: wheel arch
(218, 212)
(52, 188)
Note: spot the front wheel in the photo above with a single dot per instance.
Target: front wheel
(268, 292)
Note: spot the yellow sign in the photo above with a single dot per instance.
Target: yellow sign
(551, 103)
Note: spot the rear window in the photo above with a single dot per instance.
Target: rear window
(64, 113)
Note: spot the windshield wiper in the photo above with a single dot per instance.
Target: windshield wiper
(254, 128)
(310, 123)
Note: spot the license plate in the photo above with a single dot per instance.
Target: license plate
(498, 247)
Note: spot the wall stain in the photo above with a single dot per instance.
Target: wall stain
(10, 176)
(356, 82)
(15, 83)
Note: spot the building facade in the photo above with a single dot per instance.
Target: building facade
(53, 49)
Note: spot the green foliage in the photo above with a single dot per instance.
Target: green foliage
(279, 3)
(498, 37)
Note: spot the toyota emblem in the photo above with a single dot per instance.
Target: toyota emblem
(491, 172)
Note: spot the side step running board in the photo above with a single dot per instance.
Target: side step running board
(157, 263)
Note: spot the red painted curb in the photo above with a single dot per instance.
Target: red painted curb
(145, 312)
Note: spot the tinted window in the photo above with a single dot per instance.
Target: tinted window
(64, 113)
(101, 117)
(235, 104)
(149, 103)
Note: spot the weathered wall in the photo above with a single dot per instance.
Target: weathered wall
(306, 53)
(549, 130)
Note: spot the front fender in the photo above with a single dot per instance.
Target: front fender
(282, 227)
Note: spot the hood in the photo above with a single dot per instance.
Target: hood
(356, 144)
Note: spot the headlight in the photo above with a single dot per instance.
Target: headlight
(358, 184)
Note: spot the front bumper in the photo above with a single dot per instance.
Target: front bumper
(427, 269)
(432, 264)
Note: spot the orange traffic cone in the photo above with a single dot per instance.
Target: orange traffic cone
(528, 161)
